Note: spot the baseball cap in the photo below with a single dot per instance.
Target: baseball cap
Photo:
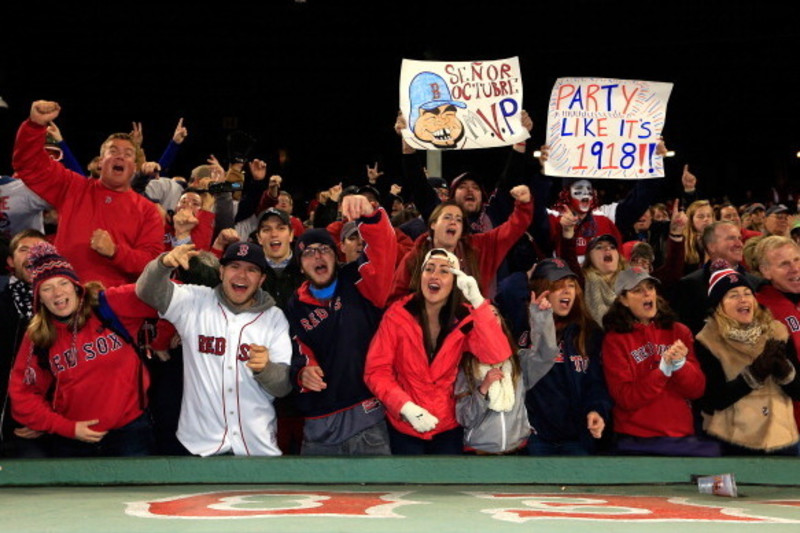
(606, 237)
(754, 207)
(428, 91)
(552, 269)
(451, 258)
(630, 278)
(347, 230)
(369, 189)
(437, 183)
(274, 212)
(245, 251)
(776, 209)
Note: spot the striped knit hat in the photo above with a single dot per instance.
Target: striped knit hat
(45, 263)
(723, 278)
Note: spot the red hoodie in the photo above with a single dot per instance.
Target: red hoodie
(646, 402)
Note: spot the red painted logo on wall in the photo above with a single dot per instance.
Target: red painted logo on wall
(610, 507)
(507, 507)
(272, 503)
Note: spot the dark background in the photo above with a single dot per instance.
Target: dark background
(320, 79)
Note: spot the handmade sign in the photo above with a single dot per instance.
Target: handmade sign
(461, 105)
(606, 128)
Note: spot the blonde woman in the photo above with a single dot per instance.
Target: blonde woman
(751, 372)
(600, 268)
(700, 214)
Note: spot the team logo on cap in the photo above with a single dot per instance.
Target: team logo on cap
(243, 248)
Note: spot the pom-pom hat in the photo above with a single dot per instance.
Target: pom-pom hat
(45, 263)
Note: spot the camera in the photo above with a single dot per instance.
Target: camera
(225, 186)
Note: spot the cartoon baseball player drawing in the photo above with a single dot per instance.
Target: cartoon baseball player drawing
(432, 116)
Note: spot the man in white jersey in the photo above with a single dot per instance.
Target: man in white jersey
(236, 351)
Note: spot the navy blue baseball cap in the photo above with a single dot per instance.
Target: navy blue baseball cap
(245, 251)
(552, 270)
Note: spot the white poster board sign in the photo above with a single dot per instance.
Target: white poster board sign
(606, 128)
(461, 105)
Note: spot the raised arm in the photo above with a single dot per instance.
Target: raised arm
(154, 287)
(377, 262)
(47, 178)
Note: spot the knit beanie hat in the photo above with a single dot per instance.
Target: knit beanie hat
(313, 236)
(45, 263)
(723, 278)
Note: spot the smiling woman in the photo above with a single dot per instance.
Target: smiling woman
(413, 360)
(81, 390)
(751, 372)
(651, 372)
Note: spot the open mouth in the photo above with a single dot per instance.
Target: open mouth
(649, 306)
(442, 134)
(118, 168)
(275, 245)
(434, 287)
(239, 287)
(608, 258)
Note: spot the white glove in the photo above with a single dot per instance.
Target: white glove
(468, 286)
(669, 368)
(418, 417)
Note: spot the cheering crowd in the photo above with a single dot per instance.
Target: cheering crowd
(209, 315)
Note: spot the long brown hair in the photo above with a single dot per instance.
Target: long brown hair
(41, 329)
(464, 250)
(578, 315)
(449, 313)
(692, 246)
(620, 319)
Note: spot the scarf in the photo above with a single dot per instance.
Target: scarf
(22, 295)
(501, 392)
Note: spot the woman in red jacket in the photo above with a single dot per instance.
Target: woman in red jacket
(413, 360)
(480, 254)
(651, 372)
(77, 376)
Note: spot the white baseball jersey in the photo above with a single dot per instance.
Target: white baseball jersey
(224, 408)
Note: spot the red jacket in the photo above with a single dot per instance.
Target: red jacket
(397, 369)
(85, 205)
(784, 310)
(646, 402)
(404, 242)
(105, 380)
(490, 247)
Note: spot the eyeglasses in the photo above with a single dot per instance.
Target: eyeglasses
(322, 249)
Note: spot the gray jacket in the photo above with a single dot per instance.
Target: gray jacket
(500, 432)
